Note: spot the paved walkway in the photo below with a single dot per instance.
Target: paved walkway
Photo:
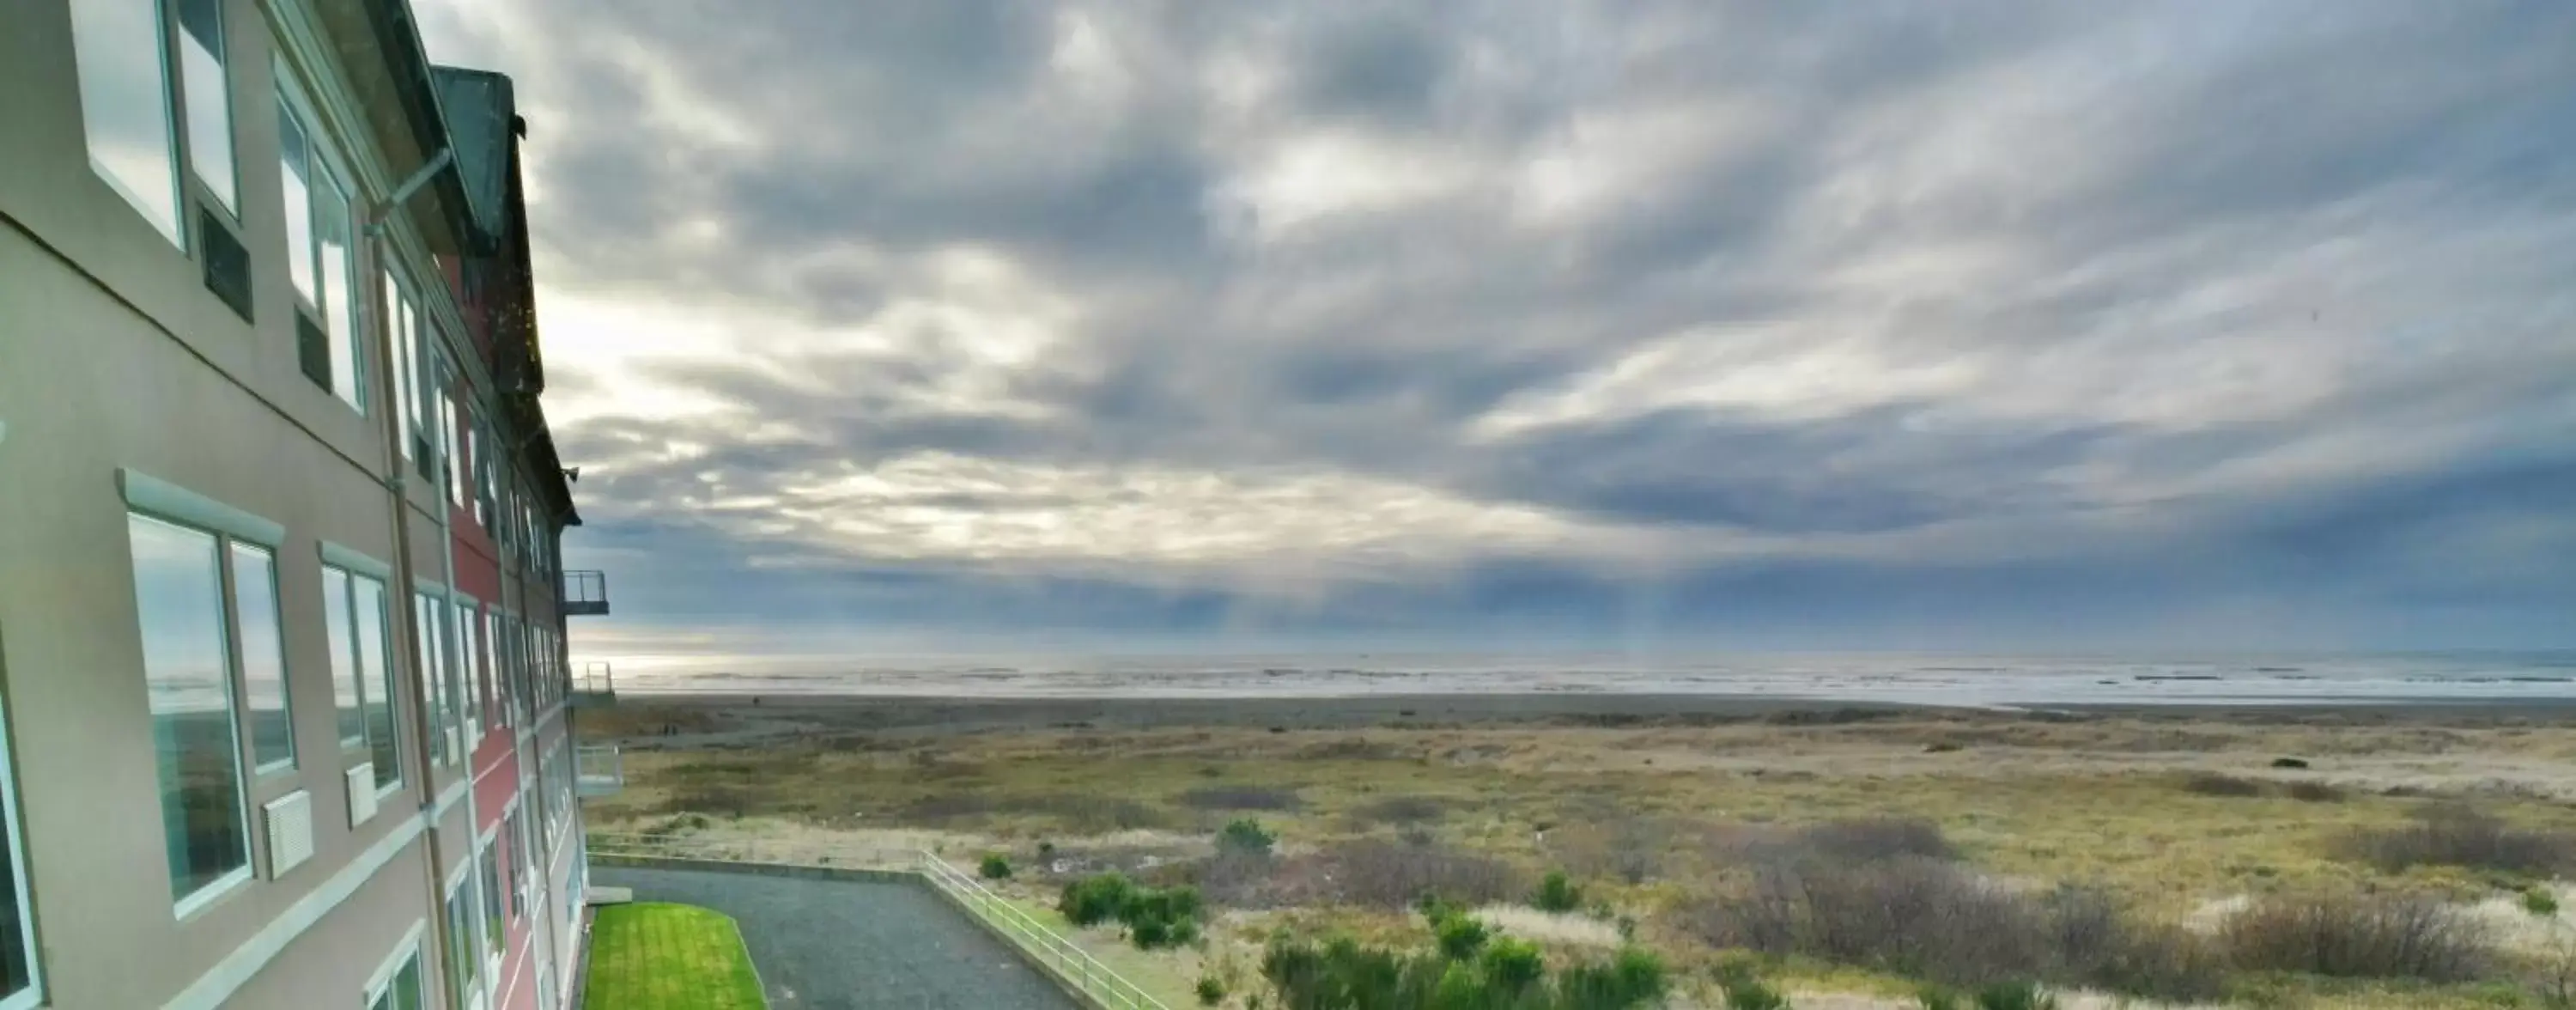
(854, 945)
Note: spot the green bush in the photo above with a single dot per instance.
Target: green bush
(1211, 991)
(1508, 975)
(2538, 901)
(1460, 936)
(1744, 992)
(1245, 835)
(1093, 900)
(1936, 998)
(1513, 965)
(1633, 978)
(1154, 917)
(2015, 996)
(995, 867)
(1557, 894)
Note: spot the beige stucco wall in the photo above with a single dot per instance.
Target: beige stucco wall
(114, 356)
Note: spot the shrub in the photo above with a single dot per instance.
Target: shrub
(2290, 763)
(1936, 998)
(1379, 873)
(1150, 933)
(1513, 965)
(1748, 993)
(1557, 894)
(2015, 996)
(1940, 922)
(2314, 792)
(995, 867)
(1634, 977)
(1242, 798)
(1460, 936)
(1095, 900)
(1211, 990)
(2357, 935)
(1245, 835)
(2538, 901)
(2214, 784)
(2456, 835)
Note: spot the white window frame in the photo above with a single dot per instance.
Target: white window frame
(407, 953)
(173, 505)
(175, 145)
(477, 992)
(323, 151)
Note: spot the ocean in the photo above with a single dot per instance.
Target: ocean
(1945, 679)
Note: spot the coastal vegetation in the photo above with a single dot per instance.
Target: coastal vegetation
(2408, 862)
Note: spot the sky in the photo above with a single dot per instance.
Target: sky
(960, 325)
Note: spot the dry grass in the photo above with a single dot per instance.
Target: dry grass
(2356, 935)
(2024, 802)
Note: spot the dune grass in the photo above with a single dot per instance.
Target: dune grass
(655, 956)
(2108, 802)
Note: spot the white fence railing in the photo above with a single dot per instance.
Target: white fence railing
(1074, 964)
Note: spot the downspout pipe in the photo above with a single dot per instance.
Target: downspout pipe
(404, 594)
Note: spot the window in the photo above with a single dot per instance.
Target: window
(375, 663)
(516, 859)
(489, 867)
(209, 100)
(263, 658)
(317, 254)
(353, 610)
(431, 634)
(401, 990)
(469, 673)
(120, 53)
(20, 984)
(464, 970)
(402, 318)
(347, 682)
(178, 594)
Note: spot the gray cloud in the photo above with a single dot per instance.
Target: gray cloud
(1360, 315)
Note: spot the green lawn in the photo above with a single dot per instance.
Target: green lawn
(653, 956)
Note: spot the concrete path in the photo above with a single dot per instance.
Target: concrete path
(854, 945)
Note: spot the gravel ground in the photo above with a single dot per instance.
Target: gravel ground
(850, 945)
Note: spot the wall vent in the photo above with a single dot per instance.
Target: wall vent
(362, 793)
(289, 822)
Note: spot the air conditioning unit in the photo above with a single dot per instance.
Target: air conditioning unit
(362, 793)
(288, 821)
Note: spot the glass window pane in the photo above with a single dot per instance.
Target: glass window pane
(293, 164)
(339, 301)
(178, 600)
(118, 52)
(433, 671)
(406, 399)
(406, 987)
(263, 651)
(492, 935)
(209, 98)
(346, 687)
(375, 666)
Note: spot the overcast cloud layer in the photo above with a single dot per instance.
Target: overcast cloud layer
(1612, 323)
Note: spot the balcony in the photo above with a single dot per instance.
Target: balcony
(596, 687)
(598, 771)
(585, 593)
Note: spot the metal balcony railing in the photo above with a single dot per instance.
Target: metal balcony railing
(598, 771)
(596, 686)
(585, 592)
